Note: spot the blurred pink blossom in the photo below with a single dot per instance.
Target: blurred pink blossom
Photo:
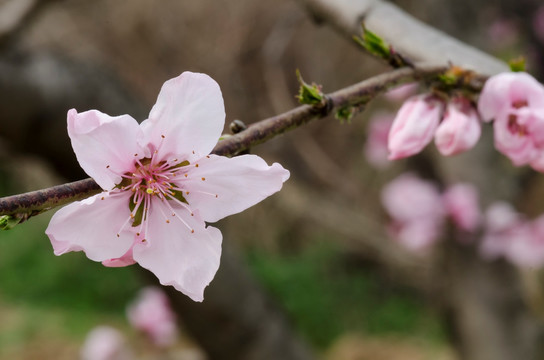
(400, 93)
(414, 126)
(502, 33)
(375, 149)
(105, 343)
(510, 235)
(151, 314)
(516, 103)
(538, 23)
(526, 244)
(161, 186)
(500, 219)
(418, 234)
(462, 205)
(460, 128)
(416, 209)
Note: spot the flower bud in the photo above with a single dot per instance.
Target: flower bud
(459, 130)
(414, 126)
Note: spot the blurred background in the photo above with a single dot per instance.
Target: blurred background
(316, 253)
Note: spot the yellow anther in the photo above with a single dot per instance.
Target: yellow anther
(149, 191)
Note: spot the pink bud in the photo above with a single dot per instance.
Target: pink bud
(459, 130)
(151, 314)
(376, 144)
(105, 343)
(461, 202)
(414, 126)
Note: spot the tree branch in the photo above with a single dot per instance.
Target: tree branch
(29, 204)
(422, 44)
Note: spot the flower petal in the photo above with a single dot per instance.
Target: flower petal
(459, 130)
(503, 90)
(74, 227)
(414, 126)
(219, 186)
(188, 261)
(105, 146)
(122, 261)
(187, 119)
(517, 145)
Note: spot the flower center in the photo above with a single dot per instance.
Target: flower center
(514, 127)
(154, 180)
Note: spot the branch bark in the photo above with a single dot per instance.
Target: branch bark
(32, 203)
(422, 44)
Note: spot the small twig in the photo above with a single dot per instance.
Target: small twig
(33, 203)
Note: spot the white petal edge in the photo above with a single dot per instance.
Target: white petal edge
(105, 146)
(187, 119)
(238, 182)
(178, 257)
(92, 225)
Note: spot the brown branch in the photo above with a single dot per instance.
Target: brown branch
(33, 203)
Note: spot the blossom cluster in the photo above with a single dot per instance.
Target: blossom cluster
(419, 211)
(513, 101)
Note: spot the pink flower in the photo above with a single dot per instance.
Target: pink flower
(416, 235)
(501, 219)
(161, 186)
(538, 23)
(151, 314)
(503, 33)
(408, 197)
(460, 129)
(510, 235)
(414, 126)
(105, 343)
(526, 244)
(376, 144)
(516, 102)
(461, 203)
(416, 208)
